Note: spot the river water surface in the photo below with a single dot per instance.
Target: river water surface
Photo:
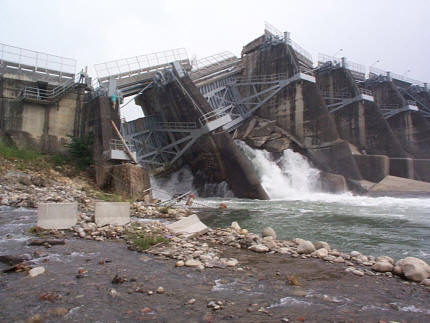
(398, 227)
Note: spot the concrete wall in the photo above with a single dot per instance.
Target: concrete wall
(300, 110)
(402, 167)
(373, 167)
(42, 127)
(422, 169)
(410, 128)
(360, 123)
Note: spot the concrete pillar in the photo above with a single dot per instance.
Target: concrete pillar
(361, 125)
(426, 87)
(299, 111)
(287, 37)
(389, 76)
(343, 62)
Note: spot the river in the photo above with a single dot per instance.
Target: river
(398, 227)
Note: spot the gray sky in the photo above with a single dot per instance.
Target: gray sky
(395, 32)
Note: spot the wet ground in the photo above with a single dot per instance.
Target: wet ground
(77, 287)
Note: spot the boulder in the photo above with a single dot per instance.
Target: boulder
(235, 226)
(269, 242)
(192, 263)
(414, 269)
(259, 248)
(268, 232)
(322, 244)
(306, 247)
(256, 142)
(383, 266)
(277, 145)
(320, 253)
(385, 258)
(332, 183)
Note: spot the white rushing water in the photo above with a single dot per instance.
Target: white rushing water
(289, 177)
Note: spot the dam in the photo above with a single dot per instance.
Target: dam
(357, 127)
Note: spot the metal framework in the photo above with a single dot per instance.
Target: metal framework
(409, 92)
(336, 100)
(390, 110)
(163, 143)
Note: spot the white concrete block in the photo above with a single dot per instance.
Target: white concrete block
(112, 213)
(189, 226)
(57, 215)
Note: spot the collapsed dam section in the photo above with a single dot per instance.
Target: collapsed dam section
(273, 97)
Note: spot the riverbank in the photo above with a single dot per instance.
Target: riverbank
(215, 277)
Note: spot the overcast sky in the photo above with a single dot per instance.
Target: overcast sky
(395, 32)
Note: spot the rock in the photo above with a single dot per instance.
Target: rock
(180, 263)
(277, 145)
(268, 232)
(414, 269)
(339, 260)
(213, 305)
(397, 270)
(320, 253)
(298, 241)
(58, 311)
(243, 231)
(355, 271)
(355, 254)
(160, 290)
(322, 244)
(36, 271)
(193, 263)
(306, 247)
(385, 258)
(113, 292)
(231, 262)
(191, 301)
(284, 250)
(256, 142)
(426, 282)
(269, 242)
(235, 226)
(81, 232)
(383, 266)
(259, 248)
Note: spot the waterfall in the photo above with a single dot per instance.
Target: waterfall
(288, 177)
(178, 182)
(181, 182)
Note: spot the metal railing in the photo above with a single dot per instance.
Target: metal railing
(174, 125)
(127, 67)
(35, 93)
(273, 31)
(116, 144)
(365, 91)
(389, 106)
(299, 49)
(336, 94)
(278, 35)
(411, 102)
(37, 62)
(359, 68)
(323, 58)
(213, 60)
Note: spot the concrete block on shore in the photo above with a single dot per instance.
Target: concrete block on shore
(400, 184)
(189, 226)
(57, 215)
(117, 213)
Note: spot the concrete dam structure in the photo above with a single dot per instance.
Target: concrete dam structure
(356, 128)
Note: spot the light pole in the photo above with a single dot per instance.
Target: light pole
(337, 52)
(404, 74)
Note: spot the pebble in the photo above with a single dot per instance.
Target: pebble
(192, 263)
(36, 271)
(191, 301)
(180, 263)
(160, 290)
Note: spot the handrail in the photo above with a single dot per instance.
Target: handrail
(41, 62)
(138, 63)
(365, 91)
